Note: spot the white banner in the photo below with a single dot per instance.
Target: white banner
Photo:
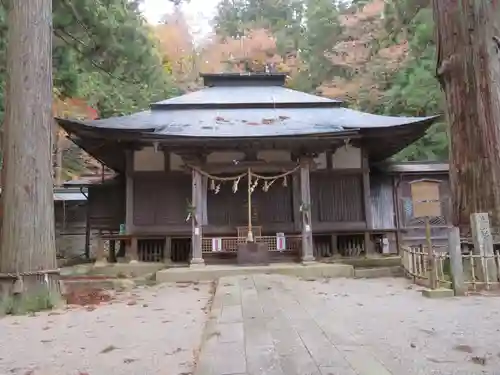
(280, 242)
(216, 244)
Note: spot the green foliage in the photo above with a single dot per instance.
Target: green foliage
(413, 89)
(311, 28)
(104, 53)
(323, 32)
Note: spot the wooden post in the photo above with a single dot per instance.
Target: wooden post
(87, 228)
(129, 191)
(430, 254)
(305, 193)
(297, 217)
(167, 252)
(334, 245)
(130, 246)
(112, 251)
(204, 200)
(196, 236)
(369, 246)
(100, 259)
(483, 246)
(456, 265)
(133, 253)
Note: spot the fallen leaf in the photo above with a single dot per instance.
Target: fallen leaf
(129, 360)
(479, 360)
(464, 348)
(428, 331)
(438, 360)
(108, 349)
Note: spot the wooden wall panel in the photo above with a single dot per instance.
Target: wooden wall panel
(107, 206)
(382, 201)
(230, 209)
(275, 205)
(161, 198)
(337, 197)
(226, 207)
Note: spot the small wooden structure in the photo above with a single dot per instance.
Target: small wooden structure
(296, 171)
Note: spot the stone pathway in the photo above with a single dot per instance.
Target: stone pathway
(279, 325)
(259, 326)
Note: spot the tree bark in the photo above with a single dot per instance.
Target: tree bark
(28, 243)
(468, 69)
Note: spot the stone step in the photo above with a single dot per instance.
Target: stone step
(213, 272)
(368, 273)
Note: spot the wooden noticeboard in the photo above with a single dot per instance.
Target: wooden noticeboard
(425, 198)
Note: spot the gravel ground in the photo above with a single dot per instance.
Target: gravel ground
(408, 333)
(156, 330)
(150, 330)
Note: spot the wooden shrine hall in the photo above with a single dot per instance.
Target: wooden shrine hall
(244, 170)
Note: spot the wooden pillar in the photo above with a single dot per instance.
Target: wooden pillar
(334, 249)
(297, 216)
(129, 191)
(204, 200)
(87, 227)
(100, 258)
(167, 252)
(112, 251)
(197, 202)
(369, 246)
(130, 246)
(133, 251)
(305, 194)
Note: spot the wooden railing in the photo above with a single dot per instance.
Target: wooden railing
(417, 265)
(230, 244)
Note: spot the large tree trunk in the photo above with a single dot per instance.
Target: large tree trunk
(28, 244)
(468, 68)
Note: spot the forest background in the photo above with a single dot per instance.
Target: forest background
(376, 55)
